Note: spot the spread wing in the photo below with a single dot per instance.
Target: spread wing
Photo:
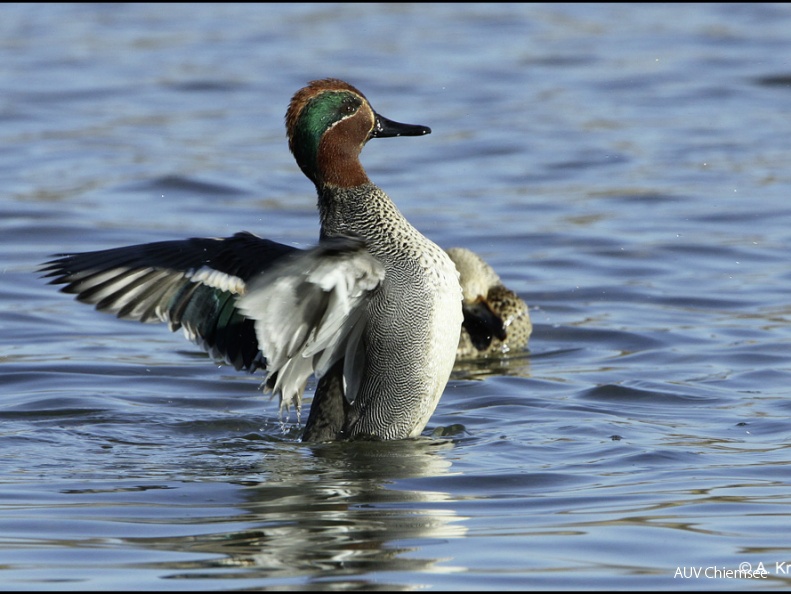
(190, 284)
(251, 302)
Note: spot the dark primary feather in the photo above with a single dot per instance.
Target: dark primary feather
(175, 282)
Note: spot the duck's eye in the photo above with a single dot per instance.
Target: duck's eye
(350, 106)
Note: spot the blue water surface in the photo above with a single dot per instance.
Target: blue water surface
(623, 167)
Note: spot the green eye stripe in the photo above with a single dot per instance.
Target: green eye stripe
(317, 117)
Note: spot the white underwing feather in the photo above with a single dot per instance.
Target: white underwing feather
(307, 308)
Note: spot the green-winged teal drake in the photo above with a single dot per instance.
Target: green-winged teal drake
(496, 319)
(374, 311)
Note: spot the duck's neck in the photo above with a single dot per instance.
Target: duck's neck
(363, 210)
(338, 160)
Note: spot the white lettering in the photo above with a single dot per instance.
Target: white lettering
(745, 571)
(688, 572)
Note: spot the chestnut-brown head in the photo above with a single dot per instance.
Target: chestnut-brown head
(328, 122)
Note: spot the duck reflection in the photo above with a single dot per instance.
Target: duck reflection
(331, 513)
(512, 364)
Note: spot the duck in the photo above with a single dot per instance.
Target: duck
(496, 319)
(373, 311)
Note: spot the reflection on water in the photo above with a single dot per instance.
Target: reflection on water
(329, 513)
(341, 517)
(516, 364)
